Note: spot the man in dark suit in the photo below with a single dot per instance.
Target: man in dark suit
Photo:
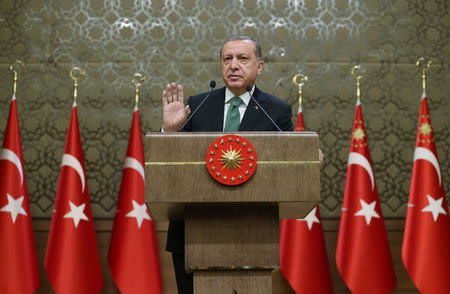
(241, 62)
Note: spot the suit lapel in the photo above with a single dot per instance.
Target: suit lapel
(216, 109)
(253, 115)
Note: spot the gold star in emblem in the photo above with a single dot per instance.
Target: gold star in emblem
(359, 134)
(222, 141)
(217, 174)
(425, 128)
(231, 159)
(213, 168)
(230, 139)
(238, 140)
(249, 150)
(244, 144)
(232, 179)
(247, 173)
(211, 153)
(250, 165)
(216, 146)
(225, 178)
(211, 160)
(252, 158)
(240, 177)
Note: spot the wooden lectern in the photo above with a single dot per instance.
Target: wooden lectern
(232, 232)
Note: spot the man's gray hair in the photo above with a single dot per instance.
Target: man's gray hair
(258, 51)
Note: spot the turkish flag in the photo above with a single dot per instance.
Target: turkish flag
(363, 256)
(71, 260)
(426, 241)
(18, 263)
(299, 126)
(133, 254)
(303, 255)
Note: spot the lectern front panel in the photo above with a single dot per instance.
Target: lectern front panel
(287, 171)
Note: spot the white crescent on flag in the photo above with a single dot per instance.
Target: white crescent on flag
(133, 163)
(72, 161)
(9, 155)
(426, 154)
(359, 159)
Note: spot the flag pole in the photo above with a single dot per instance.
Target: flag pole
(357, 73)
(15, 68)
(423, 64)
(137, 79)
(303, 80)
(76, 74)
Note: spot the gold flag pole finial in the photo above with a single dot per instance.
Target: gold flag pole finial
(15, 68)
(76, 74)
(137, 79)
(299, 80)
(423, 64)
(357, 74)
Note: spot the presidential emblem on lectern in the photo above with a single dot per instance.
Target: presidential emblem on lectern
(231, 160)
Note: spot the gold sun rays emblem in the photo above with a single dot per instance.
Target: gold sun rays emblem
(425, 128)
(358, 134)
(231, 159)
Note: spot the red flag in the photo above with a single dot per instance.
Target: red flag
(18, 263)
(303, 255)
(363, 256)
(299, 126)
(133, 254)
(71, 259)
(426, 242)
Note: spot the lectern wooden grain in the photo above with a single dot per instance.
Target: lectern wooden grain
(232, 232)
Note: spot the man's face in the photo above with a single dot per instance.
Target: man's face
(240, 66)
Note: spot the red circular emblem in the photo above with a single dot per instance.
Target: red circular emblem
(231, 160)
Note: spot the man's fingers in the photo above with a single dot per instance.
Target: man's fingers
(320, 156)
(187, 110)
(164, 98)
(180, 94)
(172, 93)
(169, 93)
(173, 90)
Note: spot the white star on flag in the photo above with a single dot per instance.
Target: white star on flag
(139, 212)
(76, 213)
(435, 207)
(14, 206)
(368, 211)
(311, 218)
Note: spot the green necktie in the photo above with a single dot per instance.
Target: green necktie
(233, 117)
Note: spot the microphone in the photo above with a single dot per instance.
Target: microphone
(212, 85)
(249, 90)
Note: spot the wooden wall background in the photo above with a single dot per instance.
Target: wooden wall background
(180, 40)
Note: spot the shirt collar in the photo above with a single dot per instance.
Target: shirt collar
(245, 97)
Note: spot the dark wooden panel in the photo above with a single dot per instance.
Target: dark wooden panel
(223, 282)
(225, 236)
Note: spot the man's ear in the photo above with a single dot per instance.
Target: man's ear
(260, 66)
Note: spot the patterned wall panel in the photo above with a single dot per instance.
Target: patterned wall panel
(171, 40)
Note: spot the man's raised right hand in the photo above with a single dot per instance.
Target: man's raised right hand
(175, 112)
